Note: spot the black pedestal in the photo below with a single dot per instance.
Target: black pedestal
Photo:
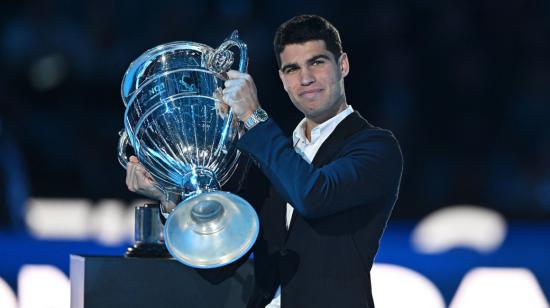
(104, 282)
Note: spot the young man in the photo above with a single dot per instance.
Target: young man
(334, 184)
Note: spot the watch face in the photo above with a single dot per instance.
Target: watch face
(261, 114)
(258, 116)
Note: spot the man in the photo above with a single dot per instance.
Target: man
(333, 187)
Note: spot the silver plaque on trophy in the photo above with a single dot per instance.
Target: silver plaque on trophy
(181, 134)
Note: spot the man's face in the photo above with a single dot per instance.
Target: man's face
(314, 79)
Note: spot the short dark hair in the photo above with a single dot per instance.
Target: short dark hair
(304, 28)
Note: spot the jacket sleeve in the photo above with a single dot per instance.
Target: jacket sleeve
(368, 168)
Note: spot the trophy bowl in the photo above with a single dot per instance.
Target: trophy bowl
(186, 141)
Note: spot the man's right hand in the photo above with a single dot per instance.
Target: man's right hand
(140, 181)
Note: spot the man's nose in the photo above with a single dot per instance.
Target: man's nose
(306, 77)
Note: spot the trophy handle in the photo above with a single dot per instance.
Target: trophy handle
(222, 58)
(122, 144)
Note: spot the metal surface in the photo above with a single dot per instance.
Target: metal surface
(212, 243)
(148, 228)
(185, 139)
(148, 234)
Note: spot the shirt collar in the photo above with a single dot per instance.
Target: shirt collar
(323, 129)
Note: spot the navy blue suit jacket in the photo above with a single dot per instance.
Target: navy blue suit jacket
(342, 202)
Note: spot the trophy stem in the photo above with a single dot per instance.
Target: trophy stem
(200, 180)
(207, 217)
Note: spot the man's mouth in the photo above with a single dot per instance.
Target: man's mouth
(310, 92)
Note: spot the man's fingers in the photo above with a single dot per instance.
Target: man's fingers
(221, 109)
(228, 97)
(244, 81)
(218, 94)
(230, 83)
(148, 176)
(236, 77)
(129, 175)
(141, 180)
(130, 172)
(233, 74)
(134, 175)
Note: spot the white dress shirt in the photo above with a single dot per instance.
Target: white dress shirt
(307, 149)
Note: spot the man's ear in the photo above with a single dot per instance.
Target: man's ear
(344, 64)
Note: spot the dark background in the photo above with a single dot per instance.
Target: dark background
(464, 85)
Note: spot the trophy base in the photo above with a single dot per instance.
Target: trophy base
(147, 251)
(222, 239)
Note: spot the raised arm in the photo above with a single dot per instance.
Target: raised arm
(367, 167)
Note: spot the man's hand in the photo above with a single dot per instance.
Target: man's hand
(240, 94)
(140, 181)
(222, 109)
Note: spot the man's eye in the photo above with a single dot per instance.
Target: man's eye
(317, 62)
(290, 70)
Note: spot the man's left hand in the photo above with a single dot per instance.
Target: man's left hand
(240, 94)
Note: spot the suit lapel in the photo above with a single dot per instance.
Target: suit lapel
(349, 126)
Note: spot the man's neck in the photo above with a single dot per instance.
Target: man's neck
(312, 123)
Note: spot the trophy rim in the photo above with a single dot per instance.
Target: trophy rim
(132, 99)
(164, 74)
(153, 53)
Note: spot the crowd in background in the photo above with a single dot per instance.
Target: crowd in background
(464, 86)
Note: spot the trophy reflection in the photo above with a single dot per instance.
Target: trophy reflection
(174, 124)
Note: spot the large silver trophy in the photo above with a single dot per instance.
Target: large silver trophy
(178, 131)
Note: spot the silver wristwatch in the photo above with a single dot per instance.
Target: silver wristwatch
(258, 116)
